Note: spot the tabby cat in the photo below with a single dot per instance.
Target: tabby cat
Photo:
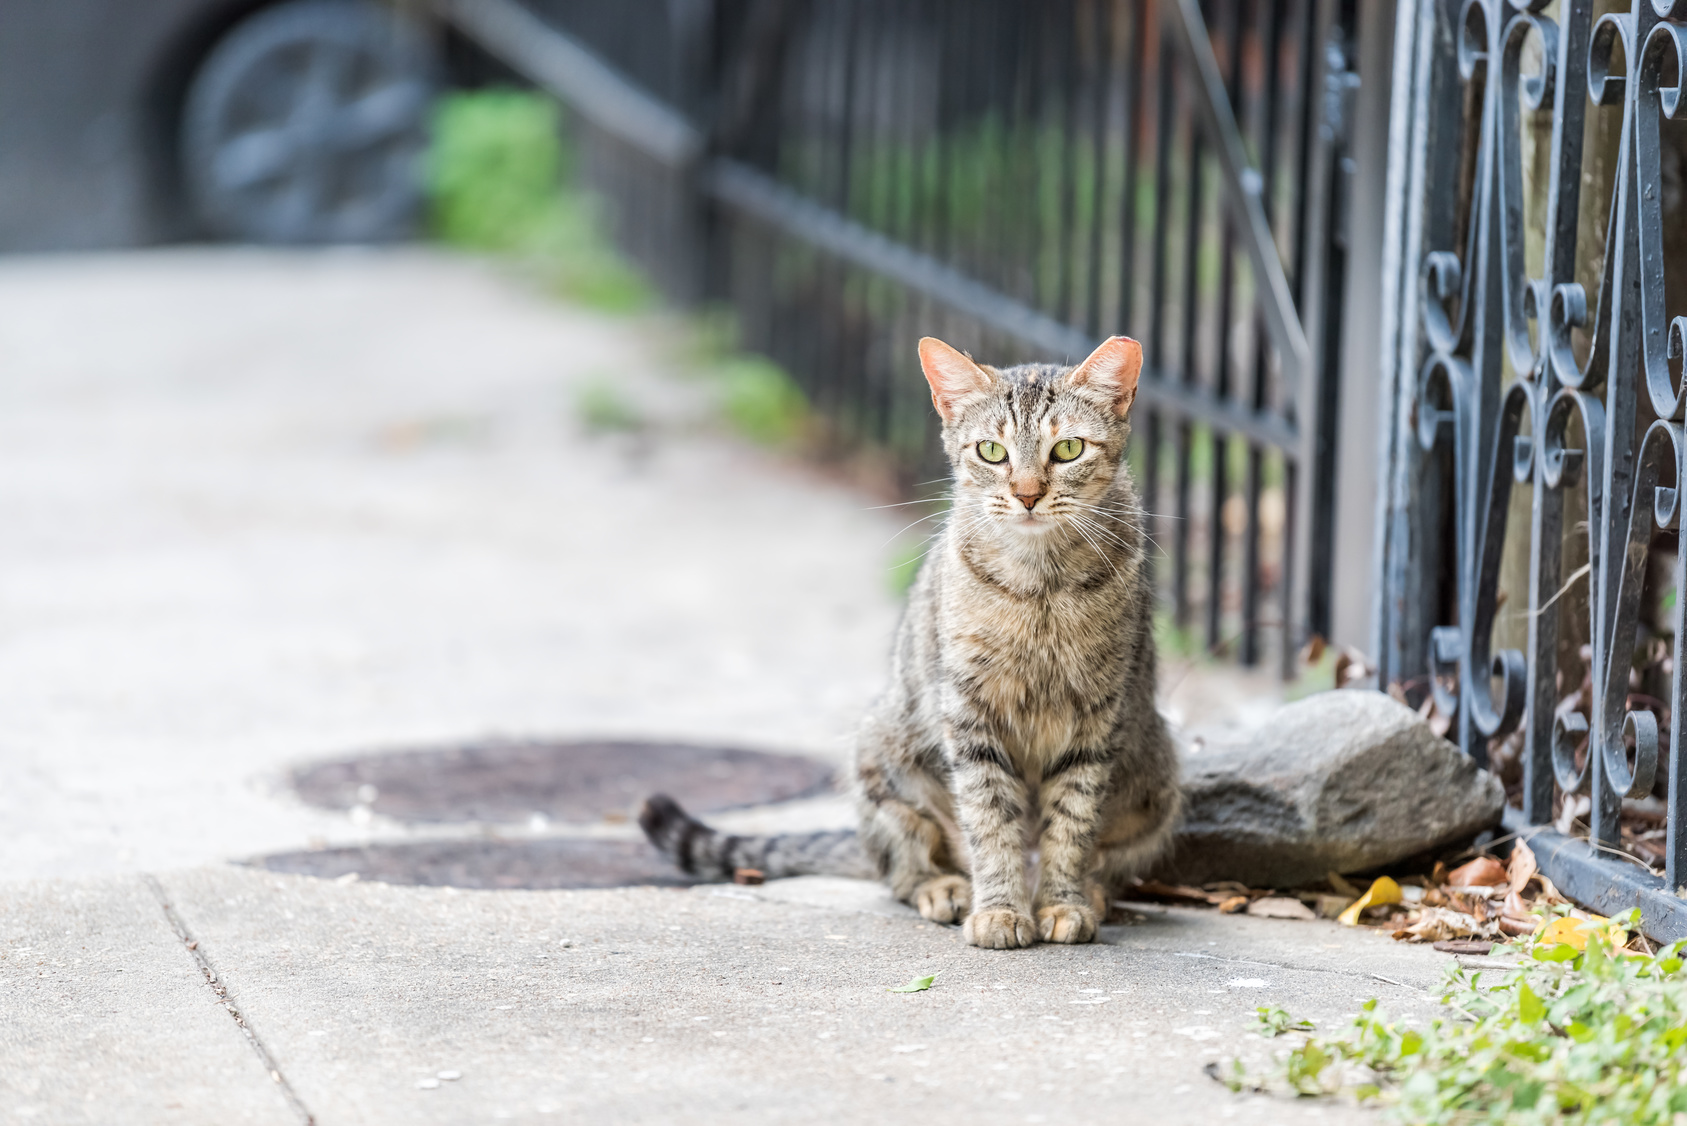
(1021, 707)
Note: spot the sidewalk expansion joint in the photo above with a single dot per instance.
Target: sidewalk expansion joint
(214, 980)
(1336, 970)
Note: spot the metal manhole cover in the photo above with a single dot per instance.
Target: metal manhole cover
(548, 863)
(509, 781)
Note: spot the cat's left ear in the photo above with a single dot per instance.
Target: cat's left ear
(1112, 368)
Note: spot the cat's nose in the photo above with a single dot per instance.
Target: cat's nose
(1029, 493)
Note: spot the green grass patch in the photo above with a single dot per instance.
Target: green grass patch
(905, 564)
(501, 178)
(1572, 1036)
(603, 407)
(757, 397)
(761, 400)
(1175, 641)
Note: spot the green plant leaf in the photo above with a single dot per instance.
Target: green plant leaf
(1559, 952)
(1595, 1040)
(1529, 1007)
(1270, 1020)
(918, 985)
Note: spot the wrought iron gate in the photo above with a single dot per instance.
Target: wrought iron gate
(1022, 178)
(1532, 570)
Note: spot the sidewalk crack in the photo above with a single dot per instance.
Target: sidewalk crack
(191, 945)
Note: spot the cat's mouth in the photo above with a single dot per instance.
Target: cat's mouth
(1031, 522)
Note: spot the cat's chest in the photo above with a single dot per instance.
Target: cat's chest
(1038, 664)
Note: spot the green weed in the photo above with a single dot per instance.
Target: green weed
(761, 400)
(1270, 1020)
(603, 407)
(500, 178)
(1594, 1036)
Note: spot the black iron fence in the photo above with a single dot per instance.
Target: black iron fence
(1021, 178)
(1533, 572)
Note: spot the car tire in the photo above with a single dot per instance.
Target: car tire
(307, 123)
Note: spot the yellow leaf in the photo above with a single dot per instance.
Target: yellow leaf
(1566, 930)
(1382, 890)
(1571, 931)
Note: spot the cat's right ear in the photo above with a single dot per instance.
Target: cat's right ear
(952, 375)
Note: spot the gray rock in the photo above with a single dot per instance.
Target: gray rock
(1341, 781)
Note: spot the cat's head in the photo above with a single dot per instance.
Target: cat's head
(1032, 445)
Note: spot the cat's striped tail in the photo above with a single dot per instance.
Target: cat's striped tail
(700, 851)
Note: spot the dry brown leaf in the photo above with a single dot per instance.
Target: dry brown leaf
(1280, 907)
(1154, 889)
(1521, 868)
(1232, 905)
(1466, 898)
(1231, 887)
(1437, 924)
(1483, 872)
(1549, 893)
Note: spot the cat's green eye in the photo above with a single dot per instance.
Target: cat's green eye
(1068, 448)
(992, 452)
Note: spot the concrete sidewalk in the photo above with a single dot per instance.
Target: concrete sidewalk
(267, 508)
(303, 1000)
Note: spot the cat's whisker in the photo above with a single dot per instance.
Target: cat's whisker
(1120, 506)
(968, 532)
(911, 524)
(1108, 559)
(1078, 518)
(1112, 515)
(1116, 512)
(1095, 511)
(944, 499)
(1119, 542)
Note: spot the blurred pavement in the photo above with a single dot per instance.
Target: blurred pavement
(263, 507)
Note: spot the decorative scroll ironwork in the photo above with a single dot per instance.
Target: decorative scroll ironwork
(1592, 404)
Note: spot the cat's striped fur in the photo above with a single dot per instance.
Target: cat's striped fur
(1021, 707)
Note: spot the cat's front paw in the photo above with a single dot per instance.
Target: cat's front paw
(1066, 922)
(946, 899)
(999, 928)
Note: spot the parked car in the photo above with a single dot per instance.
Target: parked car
(134, 121)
